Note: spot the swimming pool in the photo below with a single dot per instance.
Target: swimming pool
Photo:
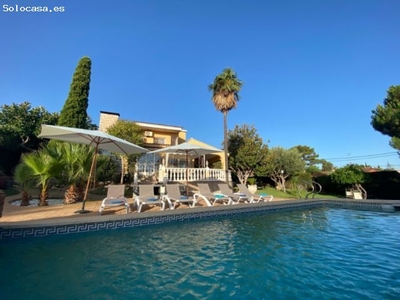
(321, 253)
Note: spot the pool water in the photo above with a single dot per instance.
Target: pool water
(303, 254)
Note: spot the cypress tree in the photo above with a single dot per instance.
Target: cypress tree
(74, 113)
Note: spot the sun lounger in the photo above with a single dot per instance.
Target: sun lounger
(146, 197)
(115, 197)
(209, 197)
(254, 198)
(174, 197)
(236, 197)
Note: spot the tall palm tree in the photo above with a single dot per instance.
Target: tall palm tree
(225, 89)
(23, 175)
(43, 168)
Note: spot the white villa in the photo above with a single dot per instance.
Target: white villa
(155, 168)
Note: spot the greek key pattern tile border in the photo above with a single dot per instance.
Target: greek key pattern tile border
(9, 233)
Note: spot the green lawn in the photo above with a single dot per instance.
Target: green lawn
(292, 194)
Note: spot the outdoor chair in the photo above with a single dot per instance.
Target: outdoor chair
(209, 197)
(146, 197)
(174, 197)
(253, 198)
(115, 197)
(236, 197)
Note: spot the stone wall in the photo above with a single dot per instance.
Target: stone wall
(107, 119)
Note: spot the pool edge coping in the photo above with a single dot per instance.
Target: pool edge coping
(35, 228)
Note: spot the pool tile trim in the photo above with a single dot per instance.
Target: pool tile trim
(144, 219)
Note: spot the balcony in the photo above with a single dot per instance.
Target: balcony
(154, 146)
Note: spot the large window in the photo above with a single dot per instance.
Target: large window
(148, 163)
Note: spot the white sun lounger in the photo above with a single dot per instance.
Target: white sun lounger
(236, 197)
(146, 197)
(254, 198)
(115, 197)
(209, 197)
(174, 197)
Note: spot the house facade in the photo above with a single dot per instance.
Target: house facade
(156, 136)
(173, 167)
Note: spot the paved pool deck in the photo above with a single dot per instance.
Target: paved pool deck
(25, 216)
(19, 221)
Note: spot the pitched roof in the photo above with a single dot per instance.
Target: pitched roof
(157, 125)
(200, 143)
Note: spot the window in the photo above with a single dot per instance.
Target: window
(160, 141)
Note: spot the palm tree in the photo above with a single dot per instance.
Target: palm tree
(225, 89)
(76, 160)
(24, 176)
(43, 168)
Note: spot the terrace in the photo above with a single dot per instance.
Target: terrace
(18, 221)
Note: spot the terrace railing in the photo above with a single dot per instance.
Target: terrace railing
(192, 174)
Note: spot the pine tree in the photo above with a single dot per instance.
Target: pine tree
(74, 113)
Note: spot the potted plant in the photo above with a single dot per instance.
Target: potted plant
(252, 185)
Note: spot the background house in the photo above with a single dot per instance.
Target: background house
(154, 167)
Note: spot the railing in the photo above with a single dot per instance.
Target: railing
(311, 187)
(356, 192)
(155, 145)
(192, 174)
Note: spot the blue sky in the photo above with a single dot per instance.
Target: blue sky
(312, 70)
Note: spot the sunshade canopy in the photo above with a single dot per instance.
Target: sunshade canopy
(94, 138)
(188, 148)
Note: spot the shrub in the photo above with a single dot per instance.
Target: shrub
(251, 180)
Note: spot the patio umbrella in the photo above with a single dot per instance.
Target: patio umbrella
(94, 138)
(187, 149)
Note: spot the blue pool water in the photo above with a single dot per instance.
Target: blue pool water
(304, 254)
